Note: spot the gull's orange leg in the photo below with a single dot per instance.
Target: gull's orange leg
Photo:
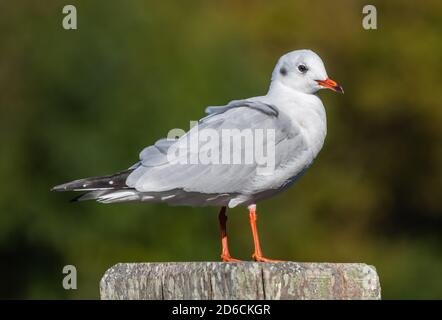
(225, 255)
(257, 254)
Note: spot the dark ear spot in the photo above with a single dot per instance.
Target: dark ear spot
(283, 71)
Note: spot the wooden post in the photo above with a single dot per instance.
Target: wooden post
(244, 280)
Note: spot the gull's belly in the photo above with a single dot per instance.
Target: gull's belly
(285, 176)
(297, 164)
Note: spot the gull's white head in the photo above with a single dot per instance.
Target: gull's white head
(303, 71)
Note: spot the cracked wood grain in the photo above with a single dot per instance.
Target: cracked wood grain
(244, 280)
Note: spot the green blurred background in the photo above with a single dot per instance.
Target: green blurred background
(85, 102)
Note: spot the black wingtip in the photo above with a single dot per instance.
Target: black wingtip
(61, 187)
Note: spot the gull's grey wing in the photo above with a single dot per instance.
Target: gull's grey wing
(260, 106)
(155, 173)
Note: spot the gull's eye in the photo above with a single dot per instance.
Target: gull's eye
(302, 68)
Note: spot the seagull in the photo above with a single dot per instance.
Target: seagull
(291, 111)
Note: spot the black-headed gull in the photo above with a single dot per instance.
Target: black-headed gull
(286, 127)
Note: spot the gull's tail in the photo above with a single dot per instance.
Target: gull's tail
(111, 182)
(96, 187)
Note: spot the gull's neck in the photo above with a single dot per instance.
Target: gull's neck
(278, 88)
(279, 92)
(304, 109)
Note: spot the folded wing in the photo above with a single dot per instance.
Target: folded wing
(188, 172)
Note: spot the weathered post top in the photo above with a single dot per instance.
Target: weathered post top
(244, 280)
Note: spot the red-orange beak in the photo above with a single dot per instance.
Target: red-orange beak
(330, 84)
